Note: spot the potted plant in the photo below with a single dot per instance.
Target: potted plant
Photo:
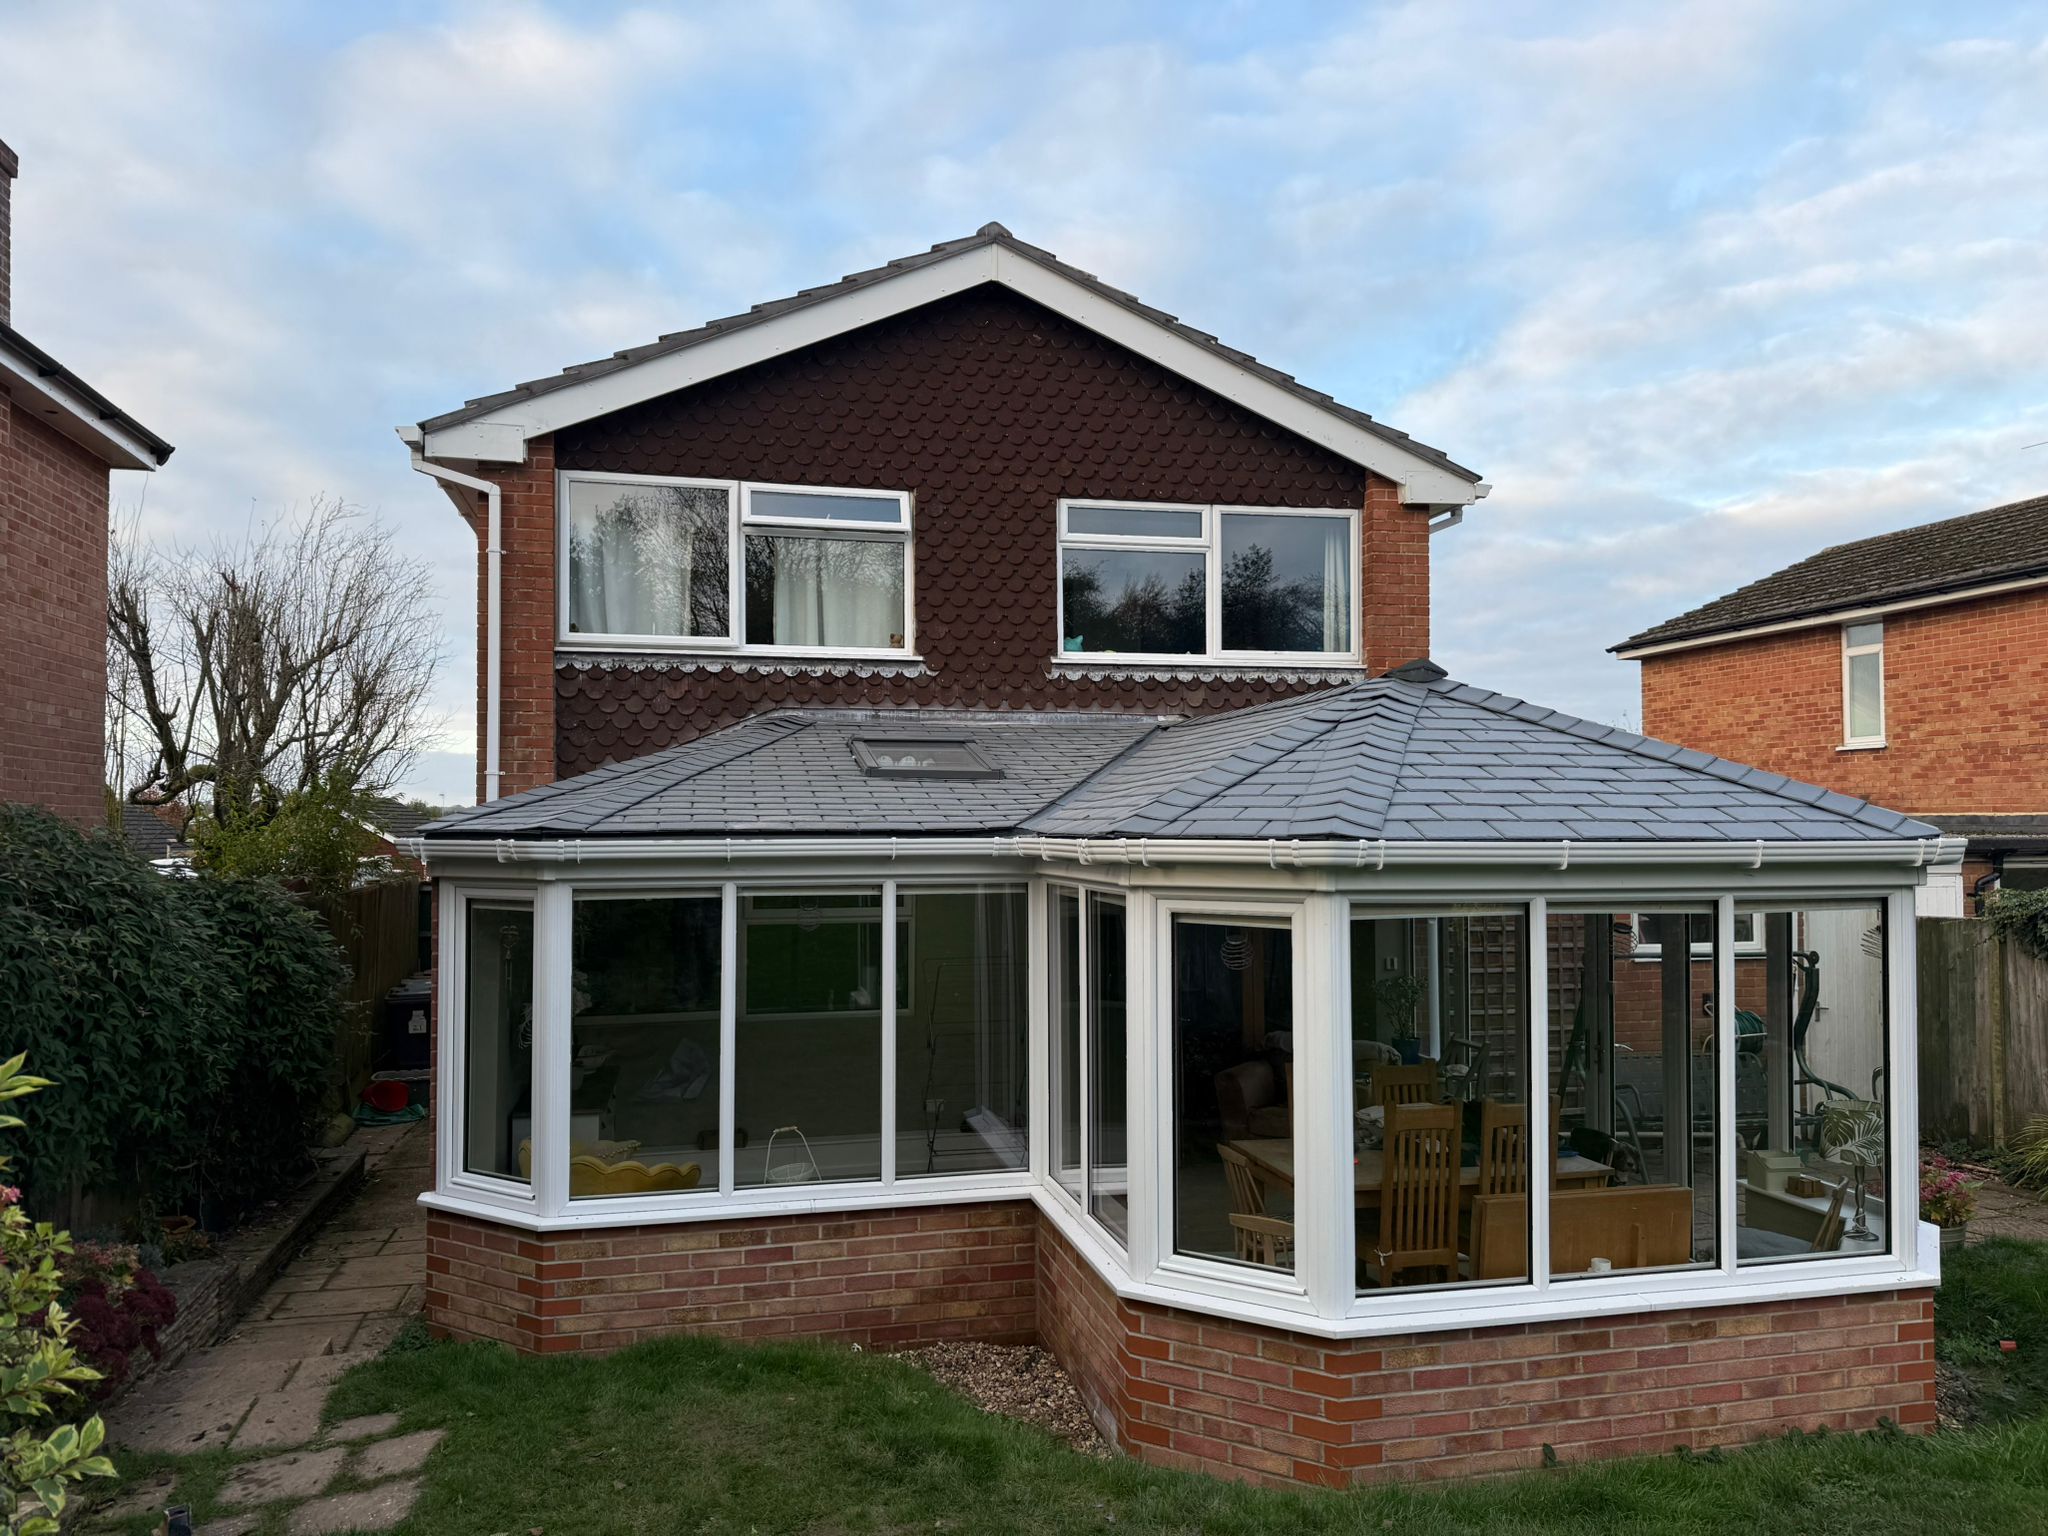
(1948, 1198)
(1396, 996)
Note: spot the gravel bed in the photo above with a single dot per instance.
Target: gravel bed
(1017, 1381)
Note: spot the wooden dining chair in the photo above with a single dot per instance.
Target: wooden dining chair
(1503, 1148)
(1405, 1085)
(1260, 1238)
(1418, 1194)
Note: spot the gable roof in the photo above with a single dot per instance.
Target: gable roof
(495, 427)
(1411, 756)
(1932, 562)
(40, 385)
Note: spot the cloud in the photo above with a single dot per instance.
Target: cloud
(1699, 287)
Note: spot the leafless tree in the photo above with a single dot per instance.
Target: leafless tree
(262, 665)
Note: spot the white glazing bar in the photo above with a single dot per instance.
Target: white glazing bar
(1083, 1073)
(1143, 1041)
(1038, 1042)
(728, 1027)
(1902, 1077)
(451, 1007)
(1325, 1235)
(553, 964)
(1726, 1145)
(888, 1031)
(1545, 1136)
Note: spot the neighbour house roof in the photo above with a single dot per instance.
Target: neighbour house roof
(36, 382)
(2018, 832)
(858, 299)
(392, 818)
(1956, 555)
(149, 836)
(1410, 756)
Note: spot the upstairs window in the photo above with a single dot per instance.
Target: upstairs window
(1158, 582)
(1863, 685)
(731, 565)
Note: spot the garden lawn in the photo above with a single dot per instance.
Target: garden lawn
(1991, 1292)
(693, 1435)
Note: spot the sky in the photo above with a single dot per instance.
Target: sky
(1699, 288)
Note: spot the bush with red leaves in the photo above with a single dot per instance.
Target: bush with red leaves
(113, 1324)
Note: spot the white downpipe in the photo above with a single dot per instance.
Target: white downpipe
(493, 559)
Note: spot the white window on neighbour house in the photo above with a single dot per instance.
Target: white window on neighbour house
(1155, 582)
(1863, 685)
(731, 565)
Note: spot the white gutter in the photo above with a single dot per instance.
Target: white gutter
(1836, 616)
(493, 559)
(1274, 853)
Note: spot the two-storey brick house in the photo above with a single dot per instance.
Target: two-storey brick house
(59, 437)
(1910, 669)
(971, 845)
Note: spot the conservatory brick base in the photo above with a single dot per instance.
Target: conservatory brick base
(1183, 1389)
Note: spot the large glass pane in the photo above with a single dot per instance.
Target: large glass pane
(1136, 522)
(1866, 696)
(962, 1078)
(1108, 1172)
(1147, 602)
(826, 506)
(1286, 583)
(1233, 1091)
(497, 1041)
(649, 559)
(824, 591)
(1444, 1127)
(808, 1039)
(644, 1039)
(1634, 1080)
(1810, 1079)
(1065, 968)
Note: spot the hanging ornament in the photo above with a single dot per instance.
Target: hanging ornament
(807, 914)
(1237, 949)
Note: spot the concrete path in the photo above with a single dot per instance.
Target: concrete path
(2003, 1211)
(337, 1303)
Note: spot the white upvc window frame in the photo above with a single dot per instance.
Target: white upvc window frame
(740, 518)
(1648, 951)
(1209, 545)
(492, 1191)
(1851, 742)
(1320, 1297)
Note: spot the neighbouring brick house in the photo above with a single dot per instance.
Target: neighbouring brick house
(58, 439)
(1910, 669)
(971, 845)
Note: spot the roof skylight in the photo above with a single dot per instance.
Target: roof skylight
(922, 757)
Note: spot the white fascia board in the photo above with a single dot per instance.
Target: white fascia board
(1278, 854)
(1832, 618)
(57, 408)
(501, 437)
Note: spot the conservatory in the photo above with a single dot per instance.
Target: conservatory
(1401, 1077)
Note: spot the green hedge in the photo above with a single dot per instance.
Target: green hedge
(187, 1025)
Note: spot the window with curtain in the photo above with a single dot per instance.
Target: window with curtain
(1165, 582)
(653, 561)
(649, 559)
(1863, 684)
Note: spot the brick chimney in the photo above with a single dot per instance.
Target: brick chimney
(10, 163)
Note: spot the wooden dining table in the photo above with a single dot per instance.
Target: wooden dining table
(1274, 1160)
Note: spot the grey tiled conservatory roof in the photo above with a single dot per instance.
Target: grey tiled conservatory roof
(1410, 756)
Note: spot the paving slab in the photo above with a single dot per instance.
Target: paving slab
(304, 1275)
(388, 1458)
(231, 1525)
(384, 1269)
(180, 1428)
(210, 1381)
(296, 1340)
(325, 1370)
(369, 1509)
(145, 1497)
(376, 1332)
(366, 1427)
(333, 1303)
(277, 1419)
(351, 1245)
(299, 1475)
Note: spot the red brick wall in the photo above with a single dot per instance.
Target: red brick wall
(886, 1278)
(526, 497)
(989, 408)
(53, 619)
(1966, 707)
(1262, 1405)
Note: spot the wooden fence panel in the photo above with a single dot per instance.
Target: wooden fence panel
(377, 927)
(1983, 1032)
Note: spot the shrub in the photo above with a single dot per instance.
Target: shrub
(187, 1024)
(39, 1372)
(2021, 916)
(1948, 1196)
(315, 839)
(118, 1306)
(2027, 1164)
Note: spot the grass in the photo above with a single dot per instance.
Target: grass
(691, 1435)
(1990, 1292)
